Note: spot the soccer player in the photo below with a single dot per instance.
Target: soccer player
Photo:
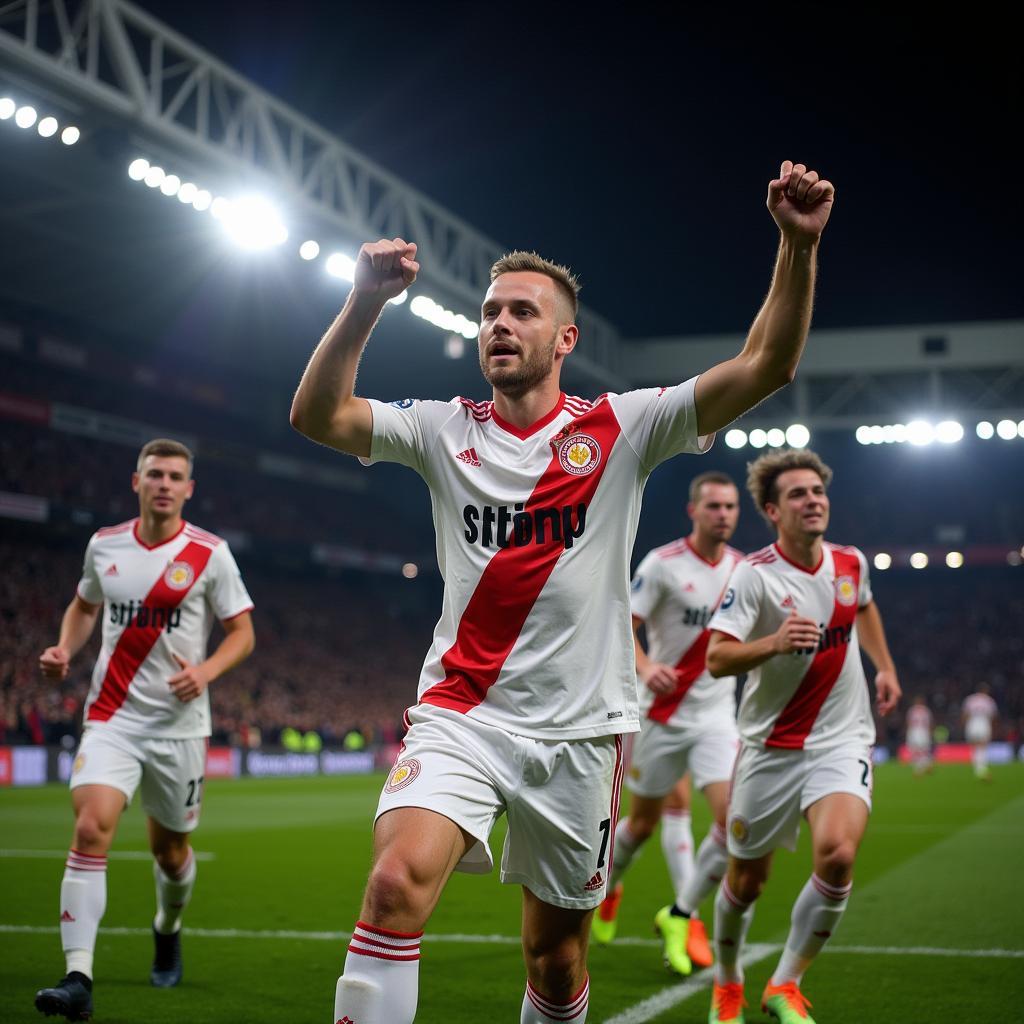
(979, 714)
(530, 681)
(158, 583)
(689, 717)
(919, 735)
(794, 618)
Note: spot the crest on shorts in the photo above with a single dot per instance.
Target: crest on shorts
(78, 765)
(739, 828)
(579, 454)
(846, 591)
(403, 774)
(179, 575)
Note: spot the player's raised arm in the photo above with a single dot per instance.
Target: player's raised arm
(75, 629)
(325, 407)
(800, 201)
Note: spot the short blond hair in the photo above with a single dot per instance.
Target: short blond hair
(712, 476)
(764, 472)
(166, 447)
(519, 261)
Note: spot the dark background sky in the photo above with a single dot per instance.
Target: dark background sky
(637, 146)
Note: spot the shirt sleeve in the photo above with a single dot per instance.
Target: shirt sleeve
(89, 587)
(661, 422)
(864, 596)
(405, 431)
(645, 589)
(741, 604)
(227, 594)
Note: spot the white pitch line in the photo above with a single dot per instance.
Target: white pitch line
(113, 855)
(996, 954)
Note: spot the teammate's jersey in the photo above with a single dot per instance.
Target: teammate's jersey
(919, 717)
(675, 591)
(157, 602)
(534, 532)
(980, 706)
(812, 700)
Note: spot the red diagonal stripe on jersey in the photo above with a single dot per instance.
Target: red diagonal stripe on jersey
(797, 718)
(512, 581)
(136, 642)
(688, 670)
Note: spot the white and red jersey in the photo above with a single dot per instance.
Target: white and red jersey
(157, 602)
(534, 532)
(919, 717)
(675, 591)
(980, 706)
(812, 700)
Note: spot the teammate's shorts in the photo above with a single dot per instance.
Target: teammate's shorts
(170, 771)
(978, 730)
(918, 739)
(772, 788)
(663, 754)
(561, 798)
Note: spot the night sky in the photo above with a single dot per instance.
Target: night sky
(639, 151)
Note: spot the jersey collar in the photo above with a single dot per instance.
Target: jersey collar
(532, 429)
(803, 568)
(160, 544)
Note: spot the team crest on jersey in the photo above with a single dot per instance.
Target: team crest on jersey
(403, 774)
(730, 597)
(739, 828)
(179, 575)
(846, 591)
(78, 765)
(579, 454)
(403, 403)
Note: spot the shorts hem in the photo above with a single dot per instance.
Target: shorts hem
(475, 866)
(555, 899)
(74, 784)
(804, 807)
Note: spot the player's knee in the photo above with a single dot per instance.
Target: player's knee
(556, 971)
(836, 859)
(171, 858)
(394, 891)
(93, 833)
(747, 880)
(641, 827)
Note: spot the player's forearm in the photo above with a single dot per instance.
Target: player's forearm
(76, 626)
(871, 634)
(731, 657)
(642, 661)
(236, 646)
(329, 380)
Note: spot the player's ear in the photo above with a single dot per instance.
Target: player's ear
(135, 482)
(191, 489)
(567, 338)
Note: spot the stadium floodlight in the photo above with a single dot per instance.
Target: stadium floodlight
(341, 266)
(776, 437)
(154, 176)
(985, 430)
(170, 185)
(883, 560)
(949, 432)
(900, 433)
(138, 169)
(798, 436)
(1006, 429)
(410, 570)
(70, 135)
(309, 250)
(757, 438)
(7, 108)
(863, 435)
(47, 127)
(920, 433)
(1020, 429)
(454, 346)
(877, 434)
(253, 223)
(919, 560)
(736, 438)
(25, 117)
(187, 193)
(399, 299)
(219, 208)
(202, 200)
(954, 559)
(1015, 558)
(889, 434)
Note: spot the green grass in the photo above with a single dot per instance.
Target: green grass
(940, 867)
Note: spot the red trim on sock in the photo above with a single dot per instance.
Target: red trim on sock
(732, 898)
(385, 931)
(382, 956)
(412, 947)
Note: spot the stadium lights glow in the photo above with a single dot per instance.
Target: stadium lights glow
(920, 432)
(340, 265)
(954, 559)
(949, 432)
(187, 193)
(25, 117)
(70, 135)
(798, 436)
(1014, 558)
(863, 435)
(883, 560)
(7, 108)
(202, 200)
(776, 438)
(170, 185)
(410, 570)
(427, 309)
(1020, 429)
(454, 346)
(919, 560)
(736, 438)
(1006, 429)
(309, 250)
(757, 438)
(399, 299)
(47, 127)
(153, 176)
(138, 169)
(252, 222)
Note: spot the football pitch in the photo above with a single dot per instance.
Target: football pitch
(934, 931)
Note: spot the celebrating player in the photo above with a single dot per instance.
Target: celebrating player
(979, 714)
(919, 735)
(689, 717)
(530, 681)
(160, 582)
(794, 618)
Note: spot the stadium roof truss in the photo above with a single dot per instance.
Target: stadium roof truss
(109, 54)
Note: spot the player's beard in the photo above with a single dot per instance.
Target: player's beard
(516, 381)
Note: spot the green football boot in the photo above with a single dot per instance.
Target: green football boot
(606, 920)
(727, 1004)
(786, 1003)
(674, 932)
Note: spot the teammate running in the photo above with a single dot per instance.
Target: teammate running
(979, 715)
(919, 735)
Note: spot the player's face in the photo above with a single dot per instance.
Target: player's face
(802, 510)
(523, 333)
(163, 485)
(716, 513)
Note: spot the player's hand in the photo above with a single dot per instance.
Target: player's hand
(659, 678)
(887, 692)
(190, 682)
(800, 201)
(55, 662)
(797, 635)
(385, 269)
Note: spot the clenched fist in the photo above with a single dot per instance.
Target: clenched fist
(800, 201)
(55, 662)
(385, 269)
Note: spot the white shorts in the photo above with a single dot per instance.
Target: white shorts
(561, 798)
(978, 730)
(663, 754)
(171, 772)
(772, 788)
(918, 739)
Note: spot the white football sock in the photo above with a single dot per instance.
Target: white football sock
(708, 871)
(677, 846)
(816, 914)
(732, 919)
(381, 980)
(83, 899)
(173, 894)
